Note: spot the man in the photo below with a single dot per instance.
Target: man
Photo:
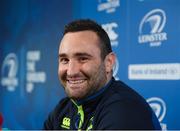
(95, 99)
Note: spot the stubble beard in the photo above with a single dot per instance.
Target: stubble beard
(95, 81)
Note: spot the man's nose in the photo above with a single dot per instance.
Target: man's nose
(73, 68)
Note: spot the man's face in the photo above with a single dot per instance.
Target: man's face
(81, 69)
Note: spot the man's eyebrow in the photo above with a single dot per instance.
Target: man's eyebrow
(83, 54)
(76, 54)
(62, 55)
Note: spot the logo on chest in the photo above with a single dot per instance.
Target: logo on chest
(66, 123)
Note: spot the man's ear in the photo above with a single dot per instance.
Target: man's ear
(110, 61)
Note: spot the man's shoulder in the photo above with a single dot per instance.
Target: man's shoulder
(64, 101)
(62, 105)
(121, 92)
(123, 108)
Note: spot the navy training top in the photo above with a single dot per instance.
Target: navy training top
(114, 106)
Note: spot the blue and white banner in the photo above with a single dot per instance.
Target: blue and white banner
(30, 35)
(144, 35)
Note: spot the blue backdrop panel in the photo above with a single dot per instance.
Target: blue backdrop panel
(153, 57)
(144, 35)
(30, 33)
(112, 15)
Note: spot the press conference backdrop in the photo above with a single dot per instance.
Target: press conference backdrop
(144, 34)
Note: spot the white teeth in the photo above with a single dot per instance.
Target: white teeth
(76, 81)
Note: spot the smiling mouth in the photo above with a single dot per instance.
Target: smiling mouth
(75, 81)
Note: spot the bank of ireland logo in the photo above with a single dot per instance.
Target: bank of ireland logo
(9, 72)
(151, 28)
(159, 107)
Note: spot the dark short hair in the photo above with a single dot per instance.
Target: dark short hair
(87, 24)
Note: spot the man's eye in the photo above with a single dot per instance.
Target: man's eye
(83, 59)
(63, 60)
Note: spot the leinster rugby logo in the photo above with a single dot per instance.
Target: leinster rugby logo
(151, 28)
(159, 107)
(9, 72)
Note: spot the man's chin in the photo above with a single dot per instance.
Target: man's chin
(76, 97)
